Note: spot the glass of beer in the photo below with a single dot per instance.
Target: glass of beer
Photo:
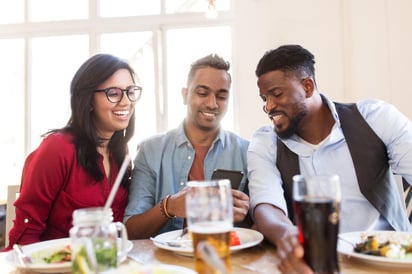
(209, 213)
(316, 207)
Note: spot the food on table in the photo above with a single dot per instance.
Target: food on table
(106, 257)
(81, 265)
(60, 255)
(390, 247)
(234, 238)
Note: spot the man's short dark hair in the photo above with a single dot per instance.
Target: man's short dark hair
(287, 58)
(211, 60)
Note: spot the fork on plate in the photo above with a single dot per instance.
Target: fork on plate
(184, 232)
(22, 257)
(173, 243)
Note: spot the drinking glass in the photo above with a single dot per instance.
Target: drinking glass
(316, 207)
(209, 213)
(95, 242)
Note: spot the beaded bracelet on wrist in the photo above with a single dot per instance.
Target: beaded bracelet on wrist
(163, 208)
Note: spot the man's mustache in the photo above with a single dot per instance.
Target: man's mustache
(272, 113)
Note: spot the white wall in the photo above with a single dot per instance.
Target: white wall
(362, 48)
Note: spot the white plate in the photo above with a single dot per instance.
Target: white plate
(151, 269)
(248, 238)
(51, 246)
(347, 241)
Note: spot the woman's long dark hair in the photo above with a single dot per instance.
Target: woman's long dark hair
(88, 77)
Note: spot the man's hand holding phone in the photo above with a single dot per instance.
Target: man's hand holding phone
(240, 199)
(235, 176)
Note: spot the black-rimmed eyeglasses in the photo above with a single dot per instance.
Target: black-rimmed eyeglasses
(115, 94)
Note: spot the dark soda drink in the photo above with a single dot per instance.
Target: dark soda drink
(318, 223)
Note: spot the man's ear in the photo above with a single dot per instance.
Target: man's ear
(309, 86)
(184, 95)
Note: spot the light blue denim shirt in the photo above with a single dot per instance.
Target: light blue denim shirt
(163, 162)
(332, 156)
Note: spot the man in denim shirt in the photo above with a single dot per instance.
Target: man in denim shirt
(164, 163)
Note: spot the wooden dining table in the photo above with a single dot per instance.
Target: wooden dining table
(258, 259)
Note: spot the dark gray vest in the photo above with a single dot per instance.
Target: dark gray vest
(370, 160)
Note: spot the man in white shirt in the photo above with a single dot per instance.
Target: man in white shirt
(321, 136)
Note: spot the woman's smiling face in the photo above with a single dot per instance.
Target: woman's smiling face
(109, 117)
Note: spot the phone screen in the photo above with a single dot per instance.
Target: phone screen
(235, 176)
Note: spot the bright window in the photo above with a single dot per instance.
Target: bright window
(119, 8)
(45, 43)
(50, 74)
(12, 112)
(57, 10)
(11, 11)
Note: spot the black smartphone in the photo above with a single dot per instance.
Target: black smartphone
(235, 176)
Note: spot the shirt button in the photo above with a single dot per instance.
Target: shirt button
(182, 183)
(26, 221)
(189, 157)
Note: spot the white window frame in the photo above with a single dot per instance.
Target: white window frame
(94, 26)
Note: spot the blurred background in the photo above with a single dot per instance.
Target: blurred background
(362, 50)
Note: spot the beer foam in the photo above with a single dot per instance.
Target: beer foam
(211, 227)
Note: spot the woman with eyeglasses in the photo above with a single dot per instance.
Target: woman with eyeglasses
(76, 166)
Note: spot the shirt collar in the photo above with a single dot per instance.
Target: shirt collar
(300, 148)
(182, 138)
(332, 109)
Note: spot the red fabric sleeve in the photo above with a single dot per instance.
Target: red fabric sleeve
(44, 172)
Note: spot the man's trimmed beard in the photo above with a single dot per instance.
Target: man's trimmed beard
(293, 124)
